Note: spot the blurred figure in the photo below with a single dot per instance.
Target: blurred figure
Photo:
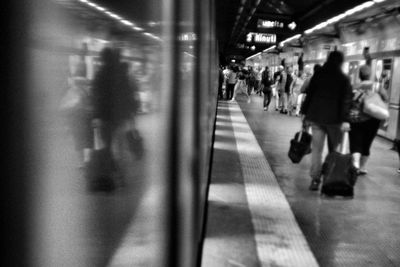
(326, 109)
(258, 77)
(286, 93)
(251, 80)
(294, 104)
(306, 76)
(266, 84)
(80, 115)
(114, 108)
(220, 82)
(279, 80)
(231, 81)
(240, 86)
(306, 83)
(363, 131)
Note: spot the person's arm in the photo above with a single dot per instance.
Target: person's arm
(346, 104)
(305, 85)
(310, 92)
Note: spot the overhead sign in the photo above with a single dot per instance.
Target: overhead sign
(275, 24)
(268, 24)
(264, 38)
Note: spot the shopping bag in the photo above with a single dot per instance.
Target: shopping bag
(300, 145)
(339, 174)
(376, 107)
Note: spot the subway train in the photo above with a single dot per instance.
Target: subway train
(153, 211)
(53, 218)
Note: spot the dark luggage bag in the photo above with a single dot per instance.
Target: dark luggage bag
(339, 174)
(100, 168)
(300, 146)
(135, 142)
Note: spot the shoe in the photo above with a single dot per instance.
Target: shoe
(265, 109)
(314, 186)
(398, 170)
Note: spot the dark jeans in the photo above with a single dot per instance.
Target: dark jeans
(267, 98)
(362, 134)
(229, 90)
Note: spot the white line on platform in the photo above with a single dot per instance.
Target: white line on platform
(279, 239)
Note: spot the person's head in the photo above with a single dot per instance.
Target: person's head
(281, 68)
(365, 73)
(106, 56)
(317, 67)
(289, 69)
(335, 59)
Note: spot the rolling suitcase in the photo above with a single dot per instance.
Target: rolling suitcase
(100, 167)
(300, 145)
(339, 174)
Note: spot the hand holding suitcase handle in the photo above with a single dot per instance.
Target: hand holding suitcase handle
(344, 145)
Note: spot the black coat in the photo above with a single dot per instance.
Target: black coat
(328, 97)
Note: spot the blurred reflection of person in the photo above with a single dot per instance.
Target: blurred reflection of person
(79, 120)
(113, 100)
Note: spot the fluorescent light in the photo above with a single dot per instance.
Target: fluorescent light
(137, 28)
(270, 48)
(115, 16)
(127, 22)
(297, 36)
(343, 15)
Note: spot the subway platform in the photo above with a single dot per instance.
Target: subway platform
(261, 213)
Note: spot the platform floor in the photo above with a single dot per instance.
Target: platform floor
(261, 213)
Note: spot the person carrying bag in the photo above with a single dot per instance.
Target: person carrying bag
(366, 115)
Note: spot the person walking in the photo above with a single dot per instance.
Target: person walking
(326, 109)
(257, 84)
(241, 86)
(280, 81)
(231, 81)
(266, 83)
(364, 130)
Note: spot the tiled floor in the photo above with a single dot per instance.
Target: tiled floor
(359, 232)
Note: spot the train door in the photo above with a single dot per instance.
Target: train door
(382, 70)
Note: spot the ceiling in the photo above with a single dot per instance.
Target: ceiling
(234, 18)
(305, 13)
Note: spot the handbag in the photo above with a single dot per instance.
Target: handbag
(356, 109)
(300, 145)
(375, 107)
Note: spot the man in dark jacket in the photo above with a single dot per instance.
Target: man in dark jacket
(326, 109)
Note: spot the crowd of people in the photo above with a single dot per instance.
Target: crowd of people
(285, 86)
(325, 100)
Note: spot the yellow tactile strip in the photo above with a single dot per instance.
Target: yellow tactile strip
(279, 239)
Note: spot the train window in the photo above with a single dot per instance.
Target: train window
(119, 102)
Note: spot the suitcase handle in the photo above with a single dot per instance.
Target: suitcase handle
(344, 145)
(97, 139)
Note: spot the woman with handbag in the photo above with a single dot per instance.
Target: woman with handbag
(365, 125)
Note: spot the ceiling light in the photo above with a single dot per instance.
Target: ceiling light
(137, 28)
(343, 15)
(127, 22)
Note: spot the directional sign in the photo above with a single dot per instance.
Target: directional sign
(264, 38)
